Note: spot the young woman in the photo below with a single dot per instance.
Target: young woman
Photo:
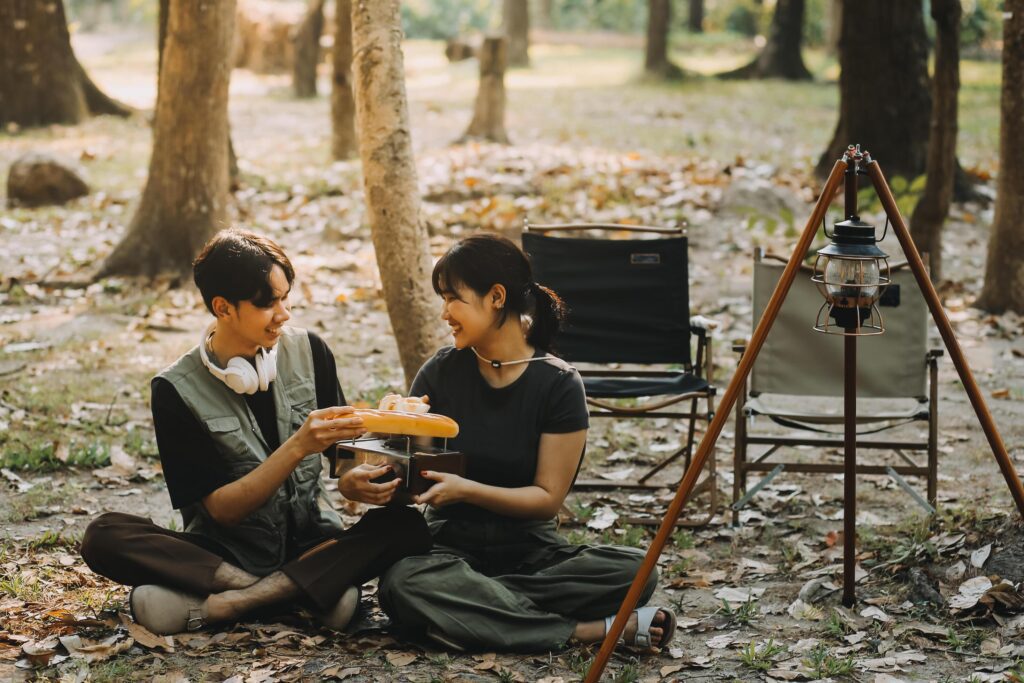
(499, 576)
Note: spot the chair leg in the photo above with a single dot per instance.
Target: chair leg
(686, 450)
(933, 434)
(739, 456)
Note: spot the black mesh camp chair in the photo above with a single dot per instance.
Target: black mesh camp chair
(797, 383)
(628, 302)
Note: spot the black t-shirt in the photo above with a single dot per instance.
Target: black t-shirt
(500, 429)
(191, 463)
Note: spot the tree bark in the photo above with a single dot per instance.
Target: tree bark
(389, 181)
(659, 21)
(1004, 270)
(781, 56)
(695, 20)
(933, 207)
(307, 50)
(547, 14)
(344, 143)
(186, 194)
(41, 81)
(835, 25)
(489, 111)
(885, 104)
(516, 14)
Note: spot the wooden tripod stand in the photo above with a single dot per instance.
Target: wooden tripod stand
(707, 444)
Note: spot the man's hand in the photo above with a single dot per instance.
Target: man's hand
(356, 484)
(324, 427)
(450, 488)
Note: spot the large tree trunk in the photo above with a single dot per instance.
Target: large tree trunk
(186, 194)
(885, 104)
(489, 111)
(695, 20)
(1004, 271)
(516, 17)
(659, 21)
(781, 56)
(389, 181)
(835, 25)
(41, 81)
(343, 103)
(933, 207)
(307, 50)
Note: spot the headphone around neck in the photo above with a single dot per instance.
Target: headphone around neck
(239, 374)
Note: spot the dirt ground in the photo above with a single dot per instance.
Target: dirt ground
(758, 601)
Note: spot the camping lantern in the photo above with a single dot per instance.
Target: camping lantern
(851, 274)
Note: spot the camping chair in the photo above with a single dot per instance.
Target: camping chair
(628, 303)
(797, 382)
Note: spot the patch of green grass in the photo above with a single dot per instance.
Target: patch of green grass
(683, 539)
(17, 586)
(53, 539)
(679, 567)
(114, 670)
(965, 641)
(581, 510)
(42, 457)
(744, 614)
(578, 537)
(141, 444)
(580, 661)
(632, 536)
(629, 673)
(835, 626)
(821, 663)
(759, 657)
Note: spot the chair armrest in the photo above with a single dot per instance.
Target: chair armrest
(700, 322)
(739, 346)
(934, 354)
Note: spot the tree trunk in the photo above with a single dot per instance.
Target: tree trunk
(547, 14)
(1004, 270)
(389, 181)
(41, 81)
(307, 50)
(516, 15)
(933, 207)
(781, 56)
(186, 194)
(659, 20)
(835, 26)
(695, 21)
(885, 104)
(344, 144)
(489, 111)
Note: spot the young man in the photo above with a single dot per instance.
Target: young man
(241, 421)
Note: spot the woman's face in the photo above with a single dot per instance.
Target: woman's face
(470, 316)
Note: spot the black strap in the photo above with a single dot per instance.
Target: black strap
(794, 424)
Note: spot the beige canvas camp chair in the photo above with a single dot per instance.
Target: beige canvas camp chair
(797, 382)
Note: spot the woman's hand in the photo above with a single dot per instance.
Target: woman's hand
(326, 426)
(450, 488)
(356, 484)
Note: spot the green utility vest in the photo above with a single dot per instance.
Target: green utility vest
(297, 514)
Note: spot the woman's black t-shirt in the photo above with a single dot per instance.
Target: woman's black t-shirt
(500, 429)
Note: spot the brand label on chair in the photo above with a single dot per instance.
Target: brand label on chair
(645, 259)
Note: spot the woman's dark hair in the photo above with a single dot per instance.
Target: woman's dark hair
(481, 261)
(236, 265)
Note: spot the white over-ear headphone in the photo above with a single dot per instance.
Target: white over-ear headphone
(239, 374)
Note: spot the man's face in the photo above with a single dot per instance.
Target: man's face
(261, 326)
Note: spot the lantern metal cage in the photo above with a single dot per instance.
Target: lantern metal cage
(851, 274)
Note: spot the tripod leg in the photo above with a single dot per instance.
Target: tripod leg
(988, 425)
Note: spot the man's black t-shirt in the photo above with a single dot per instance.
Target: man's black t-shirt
(500, 429)
(192, 467)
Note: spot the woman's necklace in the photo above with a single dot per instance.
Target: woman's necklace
(498, 364)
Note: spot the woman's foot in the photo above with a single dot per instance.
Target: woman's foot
(647, 627)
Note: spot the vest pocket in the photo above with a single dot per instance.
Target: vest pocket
(226, 432)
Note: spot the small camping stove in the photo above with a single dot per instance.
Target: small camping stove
(407, 461)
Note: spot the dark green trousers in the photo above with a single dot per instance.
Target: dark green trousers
(504, 584)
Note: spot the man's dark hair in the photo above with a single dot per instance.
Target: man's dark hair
(236, 265)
